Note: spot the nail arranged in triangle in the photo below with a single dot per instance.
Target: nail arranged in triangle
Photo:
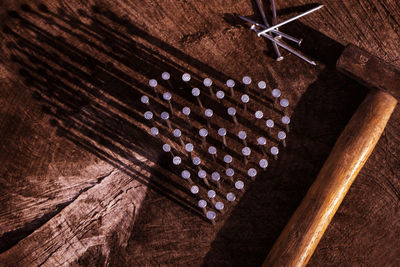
(274, 152)
(263, 163)
(178, 134)
(286, 120)
(167, 97)
(211, 215)
(166, 77)
(284, 103)
(203, 134)
(212, 151)
(154, 131)
(186, 111)
(230, 84)
(220, 95)
(216, 178)
(148, 115)
(186, 77)
(242, 136)
(282, 138)
(185, 174)
(211, 195)
(246, 151)
(270, 124)
(219, 206)
(222, 133)
(165, 117)
(196, 94)
(258, 114)
(232, 113)
(202, 204)
(208, 113)
(252, 173)
(245, 99)
(189, 149)
(202, 174)
(262, 141)
(196, 162)
(153, 84)
(246, 81)
(262, 85)
(276, 93)
(176, 160)
(228, 160)
(194, 189)
(230, 172)
(230, 197)
(145, 100)
(239, 185)
(208, 83)
(167, 148)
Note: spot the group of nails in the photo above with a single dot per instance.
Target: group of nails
(203, 132)
(273, 34)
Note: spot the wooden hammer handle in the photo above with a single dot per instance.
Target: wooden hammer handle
(301, 235)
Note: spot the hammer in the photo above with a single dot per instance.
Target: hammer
(301, 235)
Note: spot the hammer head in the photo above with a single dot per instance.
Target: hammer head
(369, 70)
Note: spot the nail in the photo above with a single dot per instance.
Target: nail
(232, 112)
(246, 151)
(220, 95)
(261, 85)
(177, 133)
(216, 177)
(148, 115)
(202, 204)
(165, 76)
(167, 148)
(207, 83)
(284, 103)
(194, 189)
(154, 131)
(186, 77)
(276, 93)
(275, 151)
(185, 174)
(167, 97)
(211, 216)
(165, 117)
(245, 99)
(176, 160)
(197, 161)
(230, 172)
(202, 174)
(259, 114)
(289, 20)
(222, 133)
(211, 195)
(246, 81)
(196, 93)
(189, 148)
(230, 84)
(212, 151)
(270, 124)
(252, 173)
(239, 185)
(228, 160)
(203, 133)
(219, 206)
(186, 112)
(242, 136)
(208, 113)
(145, 100)
(284, 35)
(263, 164)
(278, 54)
(286, 121)
(230, 197)
(262, 141)
(282, 137)
(153, 83)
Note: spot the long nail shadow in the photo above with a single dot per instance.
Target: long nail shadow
(321, 114)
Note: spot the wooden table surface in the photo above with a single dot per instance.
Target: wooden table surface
(81, 181)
